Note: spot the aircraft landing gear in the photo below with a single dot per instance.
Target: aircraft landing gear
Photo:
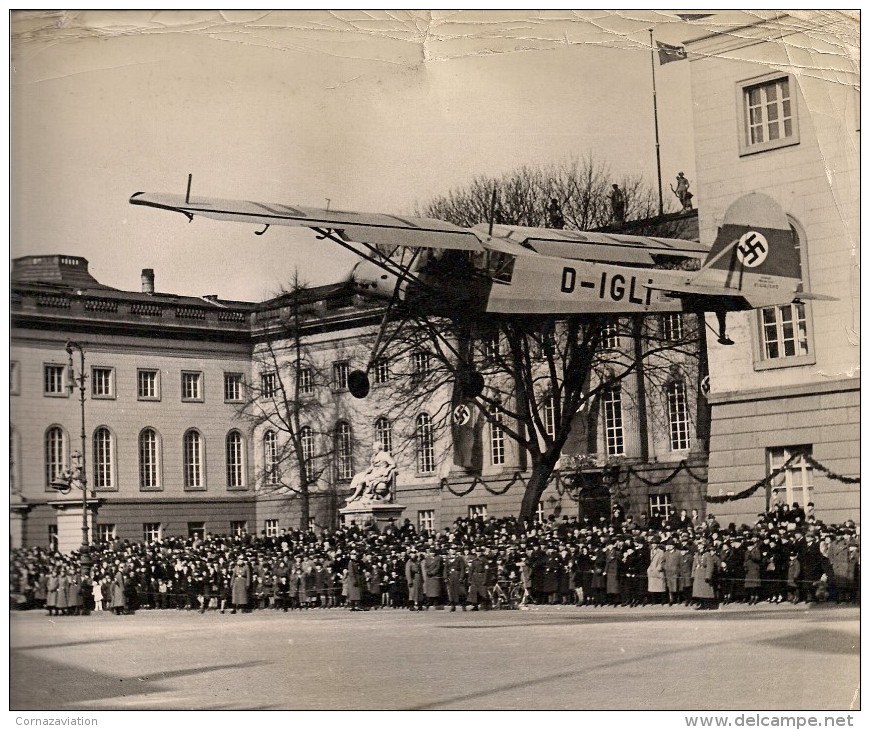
(470, 383)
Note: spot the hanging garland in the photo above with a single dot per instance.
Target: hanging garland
(564, 486)
(633, 472)
(829, 474)
(749, 491)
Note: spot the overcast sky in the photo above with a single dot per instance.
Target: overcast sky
(376, 112)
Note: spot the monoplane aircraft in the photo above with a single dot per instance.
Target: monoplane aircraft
(448, 270)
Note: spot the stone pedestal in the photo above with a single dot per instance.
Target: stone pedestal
(69, 523)
(363, 512)
(18, 509)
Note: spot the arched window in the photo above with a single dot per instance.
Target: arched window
(384, 433)
(496, 436)
(306, 437)
(55, 453)
(425, 444)
(343, 450)
(103, 460)
(678, 415)
(235, 460)
(149, 459)
(192, 455)
(271, 464)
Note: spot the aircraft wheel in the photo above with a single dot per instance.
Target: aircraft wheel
(358, 384)
(470, 383)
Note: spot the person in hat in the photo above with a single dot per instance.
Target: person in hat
(414, 579)
(703, 577)
(455, 572)
(655, 574)
(752, 571)
(352, 584)
(672, 571)
(476, 573)
(433, 571)
(240, 581)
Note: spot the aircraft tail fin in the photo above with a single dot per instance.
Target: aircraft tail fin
(756, 255)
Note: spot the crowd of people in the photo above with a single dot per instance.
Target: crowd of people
(787, 555)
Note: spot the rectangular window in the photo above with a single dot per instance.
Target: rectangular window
(550, 416)
(238, 528)
(661, 505)
(52, 537)
(420, 365)
(678, 416)
(795, 484)
(152, 531)
(477, 510)
(306, 381)
(489, 349)
(233, 387)
(768, 115)
(496, 439)
(784, 331)
(381, 371)
(54, 380)
(539, 512)
(105, 533)
(103, 382)
(613, 434)
(191, 386)
(196, 530)
(269, 384)
(426, 519)
(672, 327)
(312, 525)
(340, 371)
(610, 336)
(271, 528)
(148, 384)
(14, 378)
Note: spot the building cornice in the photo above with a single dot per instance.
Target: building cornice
(734, 38)
(786, 391)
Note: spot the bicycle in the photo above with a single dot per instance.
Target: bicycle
(506, 594)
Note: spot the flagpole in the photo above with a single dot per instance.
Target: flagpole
(652, 52)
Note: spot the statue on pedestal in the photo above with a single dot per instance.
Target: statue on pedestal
(375, 484)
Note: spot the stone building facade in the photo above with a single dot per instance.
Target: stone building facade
(775, 116)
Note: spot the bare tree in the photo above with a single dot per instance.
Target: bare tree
(286, 420)
(545, 375)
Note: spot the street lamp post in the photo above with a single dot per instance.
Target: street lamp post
(81, 466)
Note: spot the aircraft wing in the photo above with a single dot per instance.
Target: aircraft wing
(597, 246)
(374, 229)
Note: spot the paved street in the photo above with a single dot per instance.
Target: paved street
(766, 658)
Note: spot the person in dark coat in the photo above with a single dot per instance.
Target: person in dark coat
(454, 579)
(613, 572)
(414, 579)
(752, 571)
(476, 567)
(240, 582)
(433, 570)
(704, 574)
